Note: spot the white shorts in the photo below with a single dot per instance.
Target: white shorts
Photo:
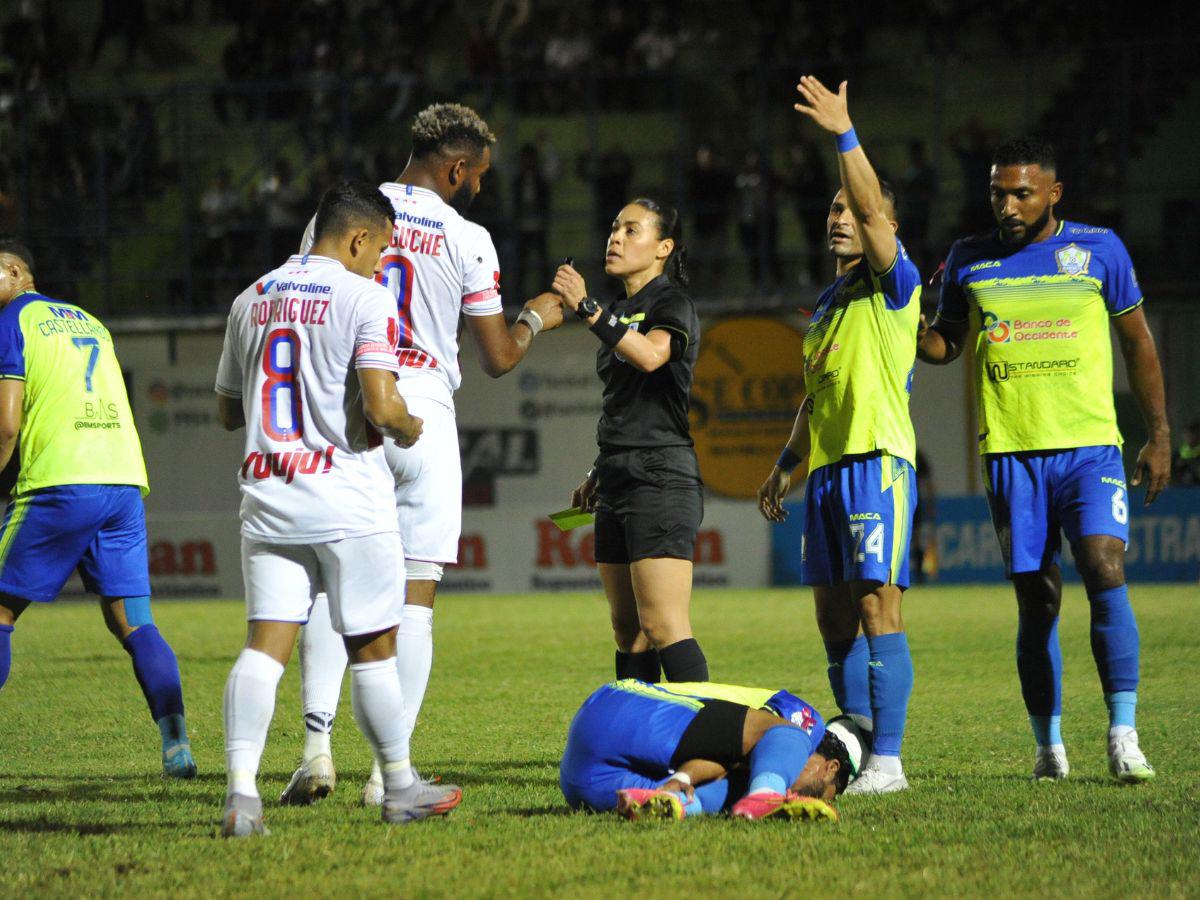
(364, 577)
(429, 485)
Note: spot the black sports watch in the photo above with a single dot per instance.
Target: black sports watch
(587, 307)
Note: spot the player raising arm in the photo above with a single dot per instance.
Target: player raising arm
(854, 438)
(78, 499)
(1042, 292)
(309, 366)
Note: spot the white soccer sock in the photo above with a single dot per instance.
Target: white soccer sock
(322, 666)
(379, 712)
(249, 705)
(414, 658)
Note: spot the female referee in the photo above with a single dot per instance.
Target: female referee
(645, 486)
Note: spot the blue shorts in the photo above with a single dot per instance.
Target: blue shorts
(98, 528)
(858, 515)
(623, 736)
(1037, 495)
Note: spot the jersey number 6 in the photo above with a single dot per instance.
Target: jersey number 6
(281, 390)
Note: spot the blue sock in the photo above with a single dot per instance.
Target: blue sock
(710, 798)
(1115, 640)
(157, 672)
(848, 675)
(5, 652)
(891, 678)
(1122, 708)
(1039, 667)
(1047, 730)
(777, 759)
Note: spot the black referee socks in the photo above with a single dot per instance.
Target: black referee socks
(642, 666)
(684, 661)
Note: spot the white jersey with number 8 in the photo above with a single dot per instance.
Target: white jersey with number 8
(314, 469)
(437, 266)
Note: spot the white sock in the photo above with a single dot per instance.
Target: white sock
(1119, 731)
(379, 712)
(414, 658)
(249, 705)
(322, 666)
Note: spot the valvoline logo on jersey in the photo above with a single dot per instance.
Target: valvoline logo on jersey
(287, 465)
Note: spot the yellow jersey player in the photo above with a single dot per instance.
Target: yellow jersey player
(1038, 294)
(78, 499)
(854, 438)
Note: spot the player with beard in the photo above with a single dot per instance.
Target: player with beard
(438, 266)
(1038, 293)
(853, 436)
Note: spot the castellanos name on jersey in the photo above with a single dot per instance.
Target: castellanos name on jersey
(314, 469)
(1043, 352)
(437, 266)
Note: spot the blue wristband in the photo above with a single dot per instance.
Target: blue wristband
(847, 141)
(787, 461)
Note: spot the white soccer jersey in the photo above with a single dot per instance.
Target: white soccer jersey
(314, 469)
(437, 265)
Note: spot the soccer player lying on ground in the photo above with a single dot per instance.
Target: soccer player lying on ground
(78, 499)
(683, 749)
(309, 367)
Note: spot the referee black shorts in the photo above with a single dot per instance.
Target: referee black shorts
(649, 504)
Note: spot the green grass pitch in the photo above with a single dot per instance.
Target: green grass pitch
(84, 812)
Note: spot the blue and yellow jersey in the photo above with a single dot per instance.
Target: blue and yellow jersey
(1043, 353)
(859, 353)
(76, 426)
(693, 694)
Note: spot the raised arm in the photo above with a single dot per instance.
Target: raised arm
(1145, 377)
(876, 223)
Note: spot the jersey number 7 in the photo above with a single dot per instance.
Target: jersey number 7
(282, 416)
(93, 345)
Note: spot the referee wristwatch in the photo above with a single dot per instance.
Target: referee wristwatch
(587, 307)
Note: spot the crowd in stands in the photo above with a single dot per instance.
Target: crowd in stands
(332, 103)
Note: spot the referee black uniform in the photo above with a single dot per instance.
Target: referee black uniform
(649, 496)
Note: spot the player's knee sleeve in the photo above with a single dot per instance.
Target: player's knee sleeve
(137, 611)
(421, 570)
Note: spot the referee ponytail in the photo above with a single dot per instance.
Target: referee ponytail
(669, 226)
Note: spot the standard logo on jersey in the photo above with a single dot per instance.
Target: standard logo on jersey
(1073, 260)
(999, 331)
(286, 465)
(1003, 371)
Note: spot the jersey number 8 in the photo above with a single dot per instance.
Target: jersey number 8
(281, 390)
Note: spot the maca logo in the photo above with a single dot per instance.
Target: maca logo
(986, 264)
(999, 331)
(865, 517)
